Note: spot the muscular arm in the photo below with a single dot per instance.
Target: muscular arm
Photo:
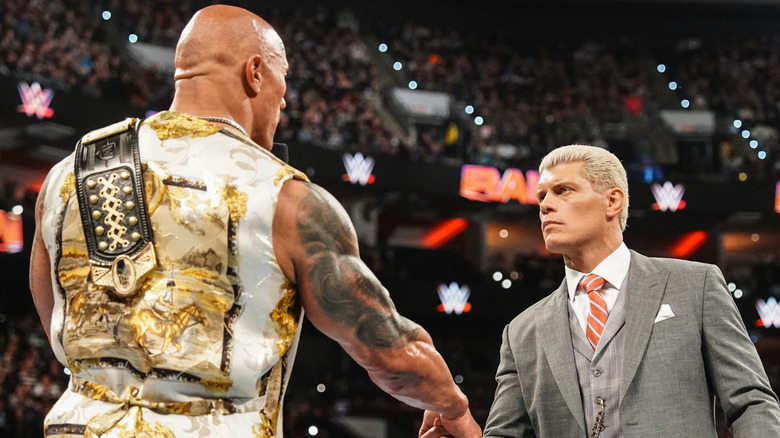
(316, 246)
(40, 269)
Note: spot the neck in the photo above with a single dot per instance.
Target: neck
(587, 259)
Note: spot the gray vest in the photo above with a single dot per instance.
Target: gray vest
(599, 371)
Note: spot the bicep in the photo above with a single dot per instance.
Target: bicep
(40, 269)
(340, 295)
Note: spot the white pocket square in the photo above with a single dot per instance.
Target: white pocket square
(664, 313)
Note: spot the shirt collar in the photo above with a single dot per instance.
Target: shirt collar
(614, 269)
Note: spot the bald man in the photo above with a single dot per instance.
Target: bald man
(175, 257)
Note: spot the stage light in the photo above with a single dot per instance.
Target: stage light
(497, 276)
(738, 293)
(106, 15)
(514, 275)
(383, 47)
(479, 120)
(313, 431)
(321, 388)
(412, 85)
(755, 237)
(732, 287)
(737, 123)
(17, 210)
(753, 144)
(688, 244)
(133, 38)
(745, 133)
(661, 68)
(685, 103)
(742, 176)
(397, 66)
(761, 155)
(503, 233)
(506, 284)
(458, 379)
(469, 109)
(673, 85)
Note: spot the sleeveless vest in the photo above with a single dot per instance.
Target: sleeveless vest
(212, 329)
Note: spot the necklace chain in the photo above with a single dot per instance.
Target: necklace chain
(227, 122)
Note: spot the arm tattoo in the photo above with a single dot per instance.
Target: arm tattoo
(347, 292)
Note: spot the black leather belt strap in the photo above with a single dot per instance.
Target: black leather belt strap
(110, 189)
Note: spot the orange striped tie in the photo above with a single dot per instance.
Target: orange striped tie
(597, 312)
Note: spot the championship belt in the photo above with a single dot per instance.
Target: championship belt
(110, 190)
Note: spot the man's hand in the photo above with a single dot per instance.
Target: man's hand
(436, 425)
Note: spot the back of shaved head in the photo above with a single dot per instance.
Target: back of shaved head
(219, 37)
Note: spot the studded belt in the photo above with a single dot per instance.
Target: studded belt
(112, 204)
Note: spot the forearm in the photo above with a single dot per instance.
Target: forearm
(418, 376)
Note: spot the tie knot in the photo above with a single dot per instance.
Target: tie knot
(592, 283)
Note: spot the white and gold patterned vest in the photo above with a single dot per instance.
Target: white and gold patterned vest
(204, 347)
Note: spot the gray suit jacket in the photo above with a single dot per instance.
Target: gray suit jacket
(672, 370)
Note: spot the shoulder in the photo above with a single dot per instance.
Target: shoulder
(528, 317)
(666, 264)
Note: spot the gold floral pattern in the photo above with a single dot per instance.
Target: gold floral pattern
(169, 124)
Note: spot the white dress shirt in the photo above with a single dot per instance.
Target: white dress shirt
(613, 269)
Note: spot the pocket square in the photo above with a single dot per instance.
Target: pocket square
(664, 313)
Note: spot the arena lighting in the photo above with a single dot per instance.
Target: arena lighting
(745, 134)
(498, 276)
(35, 100)
(17, 210)
(737, 123)
(479, 120)
(685, 103)
(486, 184)
(469, 109)
(761, 155)
(11, 235)
(358, 169)
(133, 38)
(688, 244)
(661, 68)
(454, 299)
(777, 197)
(412, 85)
(383, 47)
(668, 196)
(106, 15)
(673, 85)
(768, 312)
(753, 144)
(397, 66)
(313, 431)
(444, 232)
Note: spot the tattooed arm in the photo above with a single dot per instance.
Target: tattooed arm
(316, 247)
(40, 268)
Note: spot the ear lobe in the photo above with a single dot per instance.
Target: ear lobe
(253, 73)
(615, 200)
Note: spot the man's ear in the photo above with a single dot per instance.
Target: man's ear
(615, 199)
(253, 73)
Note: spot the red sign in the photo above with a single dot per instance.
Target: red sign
(486, 184)
(11, 238)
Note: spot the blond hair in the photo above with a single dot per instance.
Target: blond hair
(600, 167)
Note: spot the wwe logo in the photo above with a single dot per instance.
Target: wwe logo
(35, 101)
(769, 313)
(668, 196)
(454, 298)
(358, 169)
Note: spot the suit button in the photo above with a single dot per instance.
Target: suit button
(596, 373)
(599, 401)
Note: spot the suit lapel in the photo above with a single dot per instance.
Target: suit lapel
(553, 322)
(646, 286)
